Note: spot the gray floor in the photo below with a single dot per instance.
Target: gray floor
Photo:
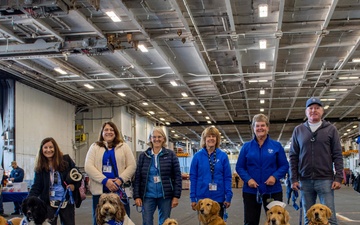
(347, 206)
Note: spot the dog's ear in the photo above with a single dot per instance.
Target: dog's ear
(215, 209)
(99, 217)
(197, 207)
(309, 214)
(120, 214)
(286, 217)
(328, 212)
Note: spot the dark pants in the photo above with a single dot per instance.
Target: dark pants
(17, 207)
(96, 198)
(67, 215)
(252, 209)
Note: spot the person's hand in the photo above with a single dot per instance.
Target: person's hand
(252, 183)
(110, 184)
(138, 202)
(71, 186)
(227, 204)
(174, 202)
(295, 186)
(270, 181)
(336, 185)
(118, 182)
(193, 205)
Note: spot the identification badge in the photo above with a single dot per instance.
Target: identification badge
(212, 187)
(157, 179)
(107, 169)
(52, 193)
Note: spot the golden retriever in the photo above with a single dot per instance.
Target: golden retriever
(318, 214)
(209, 212)
(277, 215)
(14, 221)
(110, 208)
(169, 221)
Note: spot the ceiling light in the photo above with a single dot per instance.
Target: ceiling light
(328, 99)
(145, 103)
(348, 130)
(172, 131)
(355, 126)
(209, 122)
(89, 86)
(162, 119)
(261, 110)
(206, 117)
(263, 10)
(345, 133)
(356, 60)
(152, 112)
(348, 78)
(199, 112)
(121, 94)
(173, 83)
(113, 16)
(338, 89)
(143, 48)
(176, 135)
(192, 103)
(184, 94)
(262, 65)
(167, 123)
(59, 70)
(258, 81)
(262, 44)
(326, 107)
(262, 91)
(262, 101)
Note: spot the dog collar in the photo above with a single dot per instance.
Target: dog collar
(114, 222)
(9, 222)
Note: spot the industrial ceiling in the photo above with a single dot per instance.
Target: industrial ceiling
(209, 49)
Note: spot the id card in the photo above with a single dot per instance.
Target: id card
(212, 187)
(52, 193)
(157, 179)
(107, 169)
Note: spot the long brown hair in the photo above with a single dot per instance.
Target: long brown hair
(118, 138)
(42, 163)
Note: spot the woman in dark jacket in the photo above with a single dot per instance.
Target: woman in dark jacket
(157, 179)
(52, 180)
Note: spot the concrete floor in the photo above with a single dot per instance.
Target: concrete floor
(347, 207)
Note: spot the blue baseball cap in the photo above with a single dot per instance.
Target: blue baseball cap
(313, 100)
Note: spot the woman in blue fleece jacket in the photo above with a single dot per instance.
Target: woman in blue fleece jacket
(261, 165)
(210, 172)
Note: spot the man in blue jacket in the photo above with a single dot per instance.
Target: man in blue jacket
(16, 176)
(314, 154)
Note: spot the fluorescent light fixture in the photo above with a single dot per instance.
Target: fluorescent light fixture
(355, 126)
(59, 70)
(173, 83)
(172, 131)
(121, 94)
(345, 133)
(262, 65)
(145, 103)
(263, 10)
(209, 122)
(176, 135)
(326, 107)
(262, 44)
(348, 78)
(162, 119)
(206, 117)
(167, 123)
(192, 103)
(262, 91)
(328, 99)
(199, 112)
(89, 86)
(356, 60)
(348, 130)
(261, 110)
(152, 112)
(143, 48)
(184, 94)
(258, 81)
(338, 89)
(113, 16)
(262, 101)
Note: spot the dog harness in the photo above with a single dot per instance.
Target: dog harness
(113, 222)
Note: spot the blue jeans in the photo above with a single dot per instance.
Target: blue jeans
(310, 189)
(149, 207)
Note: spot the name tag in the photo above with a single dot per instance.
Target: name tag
(157, 179)
(212, 187)
(107, 169)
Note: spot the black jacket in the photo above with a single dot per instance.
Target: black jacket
(41, 186)
(169, 171)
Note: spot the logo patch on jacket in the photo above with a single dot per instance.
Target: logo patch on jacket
(271, 151)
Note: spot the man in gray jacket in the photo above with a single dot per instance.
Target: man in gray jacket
(314, 154)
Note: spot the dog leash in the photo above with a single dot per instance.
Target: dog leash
(122, 194)
(62, 201)
(296, 206)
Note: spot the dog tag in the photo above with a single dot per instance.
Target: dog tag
(212, 187)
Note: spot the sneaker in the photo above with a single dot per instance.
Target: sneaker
(4, 215)
(15, 213)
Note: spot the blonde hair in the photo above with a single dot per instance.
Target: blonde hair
(162, 133)
(210, 131)
(260, 118)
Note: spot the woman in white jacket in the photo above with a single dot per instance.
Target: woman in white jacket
(109, 163)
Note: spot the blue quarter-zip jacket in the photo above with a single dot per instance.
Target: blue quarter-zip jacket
(261, 163)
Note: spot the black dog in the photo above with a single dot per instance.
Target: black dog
(35, 211)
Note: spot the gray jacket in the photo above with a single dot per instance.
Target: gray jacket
(315, 155)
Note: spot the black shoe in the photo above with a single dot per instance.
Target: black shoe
(15, 213)
(4, 215)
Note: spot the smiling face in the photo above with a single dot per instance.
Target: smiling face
(108, 133)
(314, 113)
(48, 150)
(260, 129)
(157, 140)
(210, 141)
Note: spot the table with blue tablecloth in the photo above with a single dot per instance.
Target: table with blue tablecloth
(14, 196)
